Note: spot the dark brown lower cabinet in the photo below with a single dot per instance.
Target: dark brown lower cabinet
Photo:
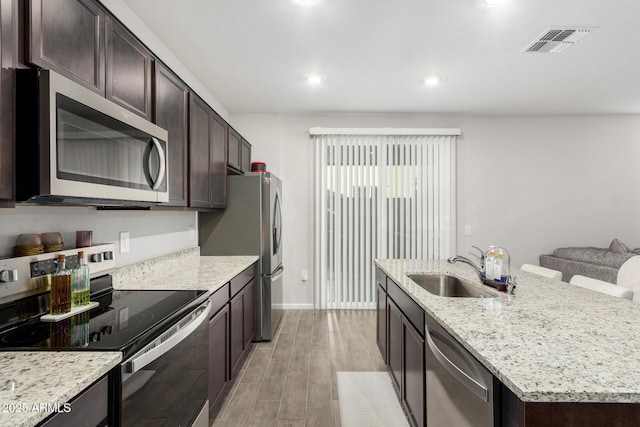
(381, 318)
(402, 346)
(218, 353)
(237, 329)
(229, 334)
(413, 373)
(249, 313)
(243, 323)
(394, 350)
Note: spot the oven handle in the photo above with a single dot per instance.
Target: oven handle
(156, 352)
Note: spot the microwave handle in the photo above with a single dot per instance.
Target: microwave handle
(158, 181)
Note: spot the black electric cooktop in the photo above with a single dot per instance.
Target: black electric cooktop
(124, 321)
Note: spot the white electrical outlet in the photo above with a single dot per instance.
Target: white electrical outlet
(124, 242)
(305, 275)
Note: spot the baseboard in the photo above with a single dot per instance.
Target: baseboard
(294, 306)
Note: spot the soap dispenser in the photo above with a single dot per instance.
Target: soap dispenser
(501, 266)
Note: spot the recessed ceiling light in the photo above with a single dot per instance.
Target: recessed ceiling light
(432, 81)
(492, 2)
(306, 2)
(314, 80)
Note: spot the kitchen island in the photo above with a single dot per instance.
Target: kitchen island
(549, 343)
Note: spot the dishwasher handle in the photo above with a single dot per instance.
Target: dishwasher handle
(153, 351)
(474, 386)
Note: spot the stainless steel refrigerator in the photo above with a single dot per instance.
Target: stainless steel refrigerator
(251, 224)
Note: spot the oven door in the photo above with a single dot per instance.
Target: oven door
(166, 383)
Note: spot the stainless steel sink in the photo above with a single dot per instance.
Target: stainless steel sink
(449, 286)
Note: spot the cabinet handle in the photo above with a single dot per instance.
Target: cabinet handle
(470, 383)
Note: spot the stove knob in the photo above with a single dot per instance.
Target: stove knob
(94, 336)
(96, 257)
(108, 255)
(107, 330)
(7, 276)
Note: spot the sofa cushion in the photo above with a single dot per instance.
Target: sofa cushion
(592, 255)
(616, 246)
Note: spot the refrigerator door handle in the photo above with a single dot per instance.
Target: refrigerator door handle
(277, 274)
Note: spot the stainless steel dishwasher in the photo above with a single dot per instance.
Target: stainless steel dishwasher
(460, 391)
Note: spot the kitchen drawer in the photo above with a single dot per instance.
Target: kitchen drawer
(90, 408)
(408, 306)
(239, 282)
(219, 299)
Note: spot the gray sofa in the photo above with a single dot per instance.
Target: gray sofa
(599, 263)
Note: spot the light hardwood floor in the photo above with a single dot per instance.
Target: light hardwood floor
(291, 380)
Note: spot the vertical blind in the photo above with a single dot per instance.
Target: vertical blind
(388, 195)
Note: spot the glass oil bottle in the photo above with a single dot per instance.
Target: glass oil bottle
(80, 285)
(60, 288)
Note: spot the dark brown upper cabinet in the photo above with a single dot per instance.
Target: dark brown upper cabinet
(207, 156)
(239, 153)
(171, 113)
(199, 166)
(67, 36)
(128, 70)
(8, 39)
(245, 156)
(235, 147)
(218, 161)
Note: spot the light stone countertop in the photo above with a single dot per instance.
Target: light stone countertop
(54, 377)
(41, 377)
(550, 342)
(182, 272)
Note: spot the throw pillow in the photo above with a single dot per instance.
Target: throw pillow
(618, 247)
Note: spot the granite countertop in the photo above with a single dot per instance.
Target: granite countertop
(182, 273)
(550, 342)
(29, 379)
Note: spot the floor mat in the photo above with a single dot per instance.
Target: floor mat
(368, 399)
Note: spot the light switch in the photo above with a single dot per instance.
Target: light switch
(467, 230)
(305, 275)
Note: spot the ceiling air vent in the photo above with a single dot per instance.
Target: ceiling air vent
(558, 39)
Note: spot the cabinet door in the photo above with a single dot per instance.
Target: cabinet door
(171, 113)
(128, 71)
(199, 165)
(218, 353)
(381, 314)
(218, 161)
(237, 329)
(249, 313)
(235, 144)
(245, 156)
(395, 345)
(413, 373)
(8, 37)
(67, 36)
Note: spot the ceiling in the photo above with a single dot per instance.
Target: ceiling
(373, 55)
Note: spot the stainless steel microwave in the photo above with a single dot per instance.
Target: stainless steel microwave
(75, 147)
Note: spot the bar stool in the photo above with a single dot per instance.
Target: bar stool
(602, 287)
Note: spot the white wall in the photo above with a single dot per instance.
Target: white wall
(530, 184)
(152, 233)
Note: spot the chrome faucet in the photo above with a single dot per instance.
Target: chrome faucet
(459, 258)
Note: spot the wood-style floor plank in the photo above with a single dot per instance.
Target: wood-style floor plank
(291, 381)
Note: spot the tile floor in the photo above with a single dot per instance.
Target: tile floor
(291, 380)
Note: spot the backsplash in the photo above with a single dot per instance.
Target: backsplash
(152, 234)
